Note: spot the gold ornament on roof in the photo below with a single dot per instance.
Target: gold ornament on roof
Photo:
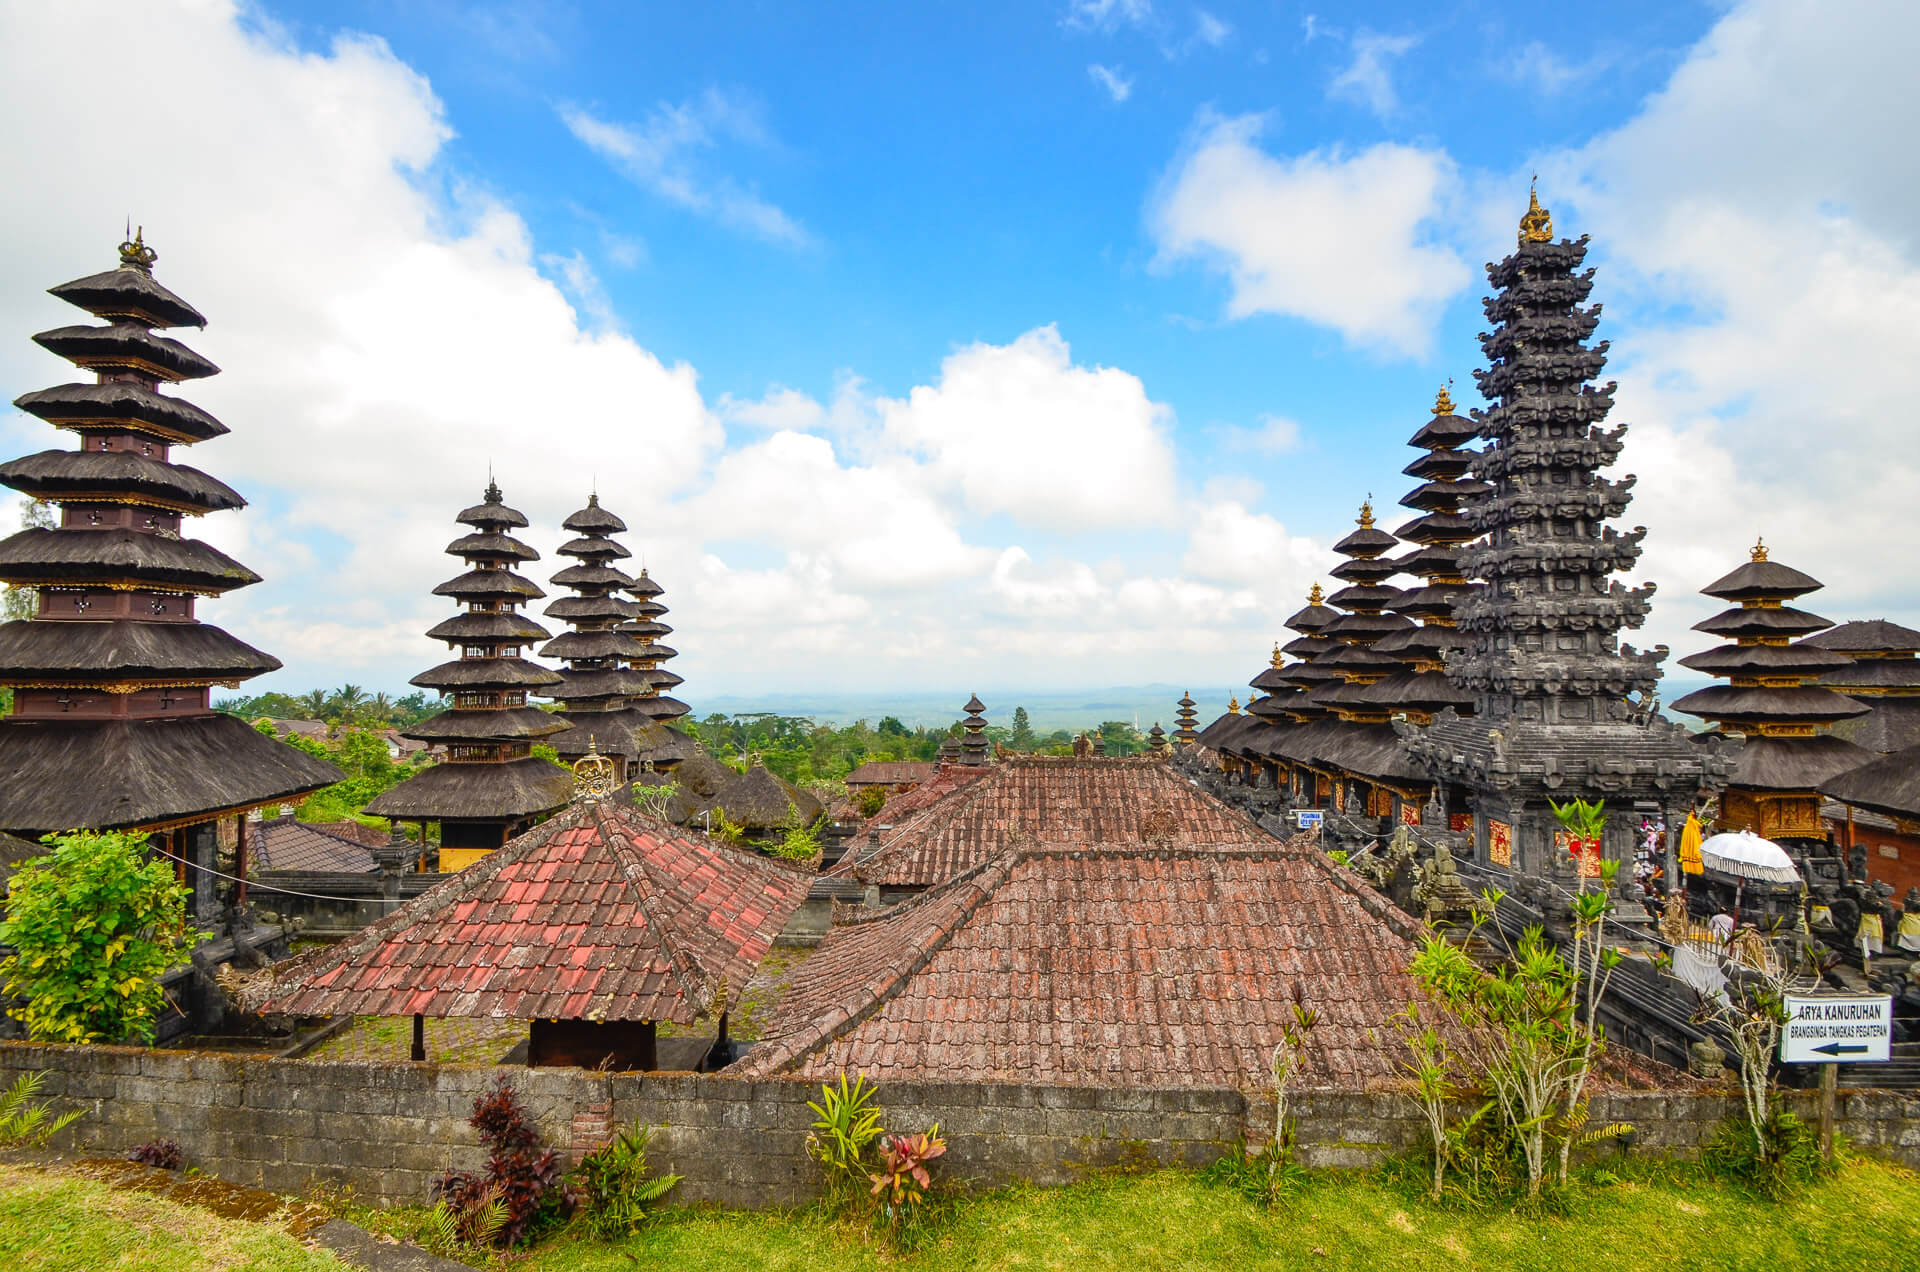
(1443, 402)
(1759, 549)
(1277, 660)
(1366, 514)
(1315, 596)
(592, 775)
(1233, 705)
(135, 254)
(1537, 225)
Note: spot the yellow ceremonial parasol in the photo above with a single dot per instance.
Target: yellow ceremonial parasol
(1690, 862)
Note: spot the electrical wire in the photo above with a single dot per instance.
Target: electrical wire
(255, 886)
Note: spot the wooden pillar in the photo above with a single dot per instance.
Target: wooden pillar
(240, 862)
(419, 1038)
(1829, 1081)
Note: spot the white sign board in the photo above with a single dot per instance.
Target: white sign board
(1836, 1028)
(1310, 818)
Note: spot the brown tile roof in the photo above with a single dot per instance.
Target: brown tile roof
(285, 844)
(890, 772)
(1129, 965)
(598, 914)
(1051, 800)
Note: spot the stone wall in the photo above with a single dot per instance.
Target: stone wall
(387, 1129)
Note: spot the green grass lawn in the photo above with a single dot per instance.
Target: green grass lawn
(56, 1221)
(1867, 1219)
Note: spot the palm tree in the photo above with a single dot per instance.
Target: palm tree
(314, 703)
(379, 708)
(346, 700)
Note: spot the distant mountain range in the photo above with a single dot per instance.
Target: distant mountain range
(1048, 710)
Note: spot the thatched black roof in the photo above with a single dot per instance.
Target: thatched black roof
(66, 474)
(1890, 785)
(1756, 705)
(1763, 579)
(478, 792)
(760, 800)
(569, 608)
(1795, 764)
(125, 649)
(129, 346)
(114, 555)
(121, 405)
(661, 678)
(600, 644)
(491, 512)
(1443, 464)
(483, 628)
(129, 293)
(491, 545)
(1781, 620)
(1766, 660)
(1892, 725)
(501, 724)
(644, 586)
(660, 707)
(590, 577)
(486, 673)
(490, 585)
(1870, 635)
(16, 852)
(110, 774)
(601, 682)
(593, 549)
(655, 652)
(1446, 432)
(1366, 541)
(593, 519)
(1366, 627)
(1871, 674)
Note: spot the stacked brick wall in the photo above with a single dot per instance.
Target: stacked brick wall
(387, 1129)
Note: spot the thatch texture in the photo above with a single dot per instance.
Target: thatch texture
(110, 774)
(477, 792)
(81, 556)
(67, 474)
(1889, 785)
(120, 405)
(126, 345)
(125, 649)
(129, 293)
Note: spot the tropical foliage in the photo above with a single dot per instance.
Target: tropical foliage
(26, 1122)
(93, 925)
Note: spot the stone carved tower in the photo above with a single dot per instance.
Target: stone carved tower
(1563, 708)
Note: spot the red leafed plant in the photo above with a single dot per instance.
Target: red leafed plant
(903, 1180)
(523, 1180)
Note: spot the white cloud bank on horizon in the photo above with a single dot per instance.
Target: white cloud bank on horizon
(389, 335)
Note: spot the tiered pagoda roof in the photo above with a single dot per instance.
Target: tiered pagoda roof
(646, 626)
(1563, 707)
(1768, 700)
(1439, 533)
(1184, 733)
(974, 749)
(113, 724)
(1157, 739)
(491, 777)
(1884, 674)
(598, 687)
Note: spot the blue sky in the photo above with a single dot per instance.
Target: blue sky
(997, 346)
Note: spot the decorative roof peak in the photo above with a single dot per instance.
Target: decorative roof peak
(1537, 225)
(1365, 521)
(1759, 549)
(135, 254)
(1233, 705)
(593, 500)
(1443, 402)
(1315, 596)
(493, 495)
(1277, 659)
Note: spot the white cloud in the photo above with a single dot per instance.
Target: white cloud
(1107, 15)
(1229, 544)
(1270, 435)
(1285, 230)
(1113, 80)
(1020, 429)
(659, 155)
(1209, 30)
(1368, 79)
(1540, 69)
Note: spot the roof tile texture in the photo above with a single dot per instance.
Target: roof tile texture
(599, 914)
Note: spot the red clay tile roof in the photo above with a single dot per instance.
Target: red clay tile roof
(1049, 799)
(599, 914)
(1128, 965)
(890, 772)
(285, 844)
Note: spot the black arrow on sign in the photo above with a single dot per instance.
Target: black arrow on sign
(1838, 1049)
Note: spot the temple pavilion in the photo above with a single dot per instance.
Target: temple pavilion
(1882, 674)
(492, 786)
(1788, 753)
(663, 746)
(113, 725)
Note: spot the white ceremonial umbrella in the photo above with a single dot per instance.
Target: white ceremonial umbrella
(1745, 855)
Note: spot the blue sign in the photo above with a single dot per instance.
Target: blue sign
(1310, 819)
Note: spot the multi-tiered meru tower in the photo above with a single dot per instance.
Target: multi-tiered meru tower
(1563, 708)
(491, 787)
(112, 723)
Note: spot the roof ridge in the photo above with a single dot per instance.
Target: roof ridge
(898, 973)
(641, 873)
(963, 797)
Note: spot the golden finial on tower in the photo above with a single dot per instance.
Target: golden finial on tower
(1443, 403)
(1233, 705)
(1277, 659)
(1537, 225)
(1759, 549)
(593, 778)
(135, 254)
(1366, 514)
(1315, 596)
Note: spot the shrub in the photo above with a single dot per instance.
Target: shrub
(846, 1123)
(523, 1179)
(93, 926)
(871, 800)
(613, 1188)
(164, 1153)
(901, 1183)
(25, 1122)
(1777, 1164)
